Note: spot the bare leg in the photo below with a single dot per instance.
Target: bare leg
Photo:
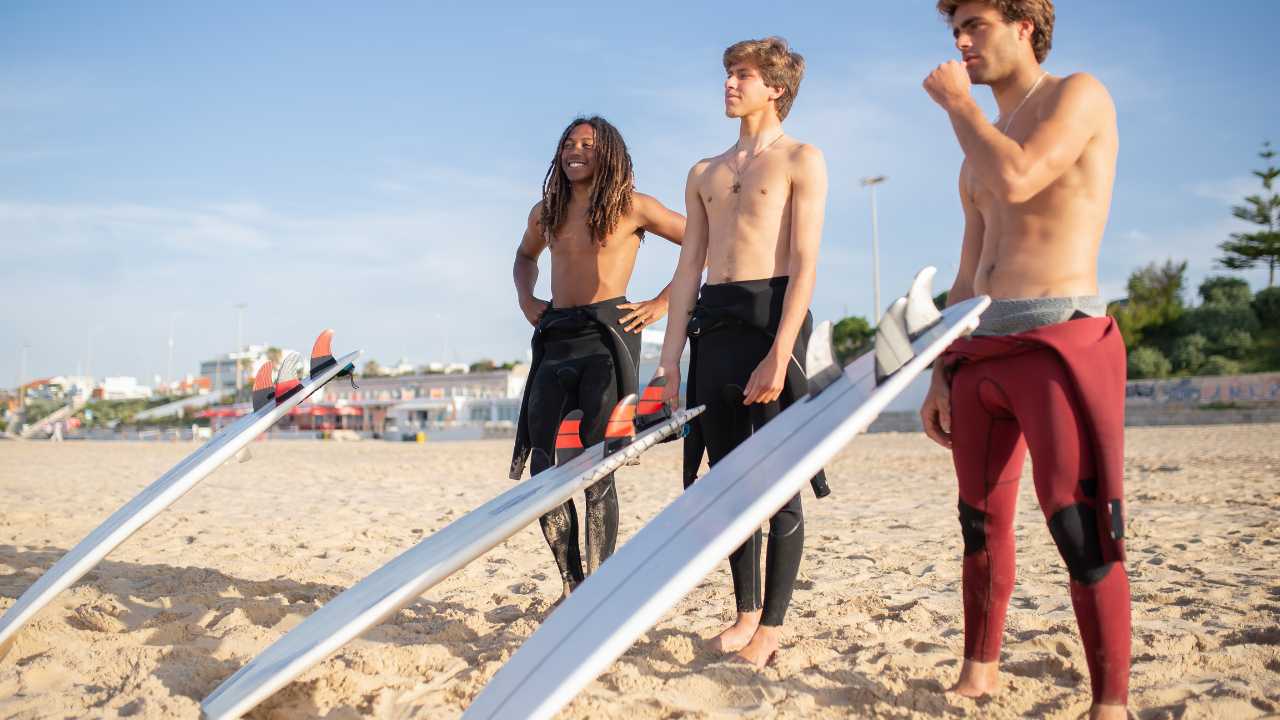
(977, 679)
(737, 635)
(1100, 711)
(763, 646)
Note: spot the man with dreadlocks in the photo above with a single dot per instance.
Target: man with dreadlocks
(586, 342)
(755, 221)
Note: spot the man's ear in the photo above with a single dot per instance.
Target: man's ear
(776, 93)
(1026, 28)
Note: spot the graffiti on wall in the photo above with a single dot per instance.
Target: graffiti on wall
(1237, 389)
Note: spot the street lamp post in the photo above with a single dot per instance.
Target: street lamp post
(239, 346)
(22, 375)
(872, 182)
(168, 378)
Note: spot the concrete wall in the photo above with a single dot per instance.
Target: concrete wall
(1184, 401)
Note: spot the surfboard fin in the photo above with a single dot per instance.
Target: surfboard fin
(287, 377)
(621, 428)
(322, 355)
(921, 314)
(569, 437)
(264, 389)
(893, 344)
(651, 410)
(820, 362)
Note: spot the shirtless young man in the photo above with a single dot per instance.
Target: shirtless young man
(755, 221)
(586, 345)
(1045, 370)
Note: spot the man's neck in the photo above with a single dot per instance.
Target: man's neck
(758, 129)
(1011, 90)
(580, 192)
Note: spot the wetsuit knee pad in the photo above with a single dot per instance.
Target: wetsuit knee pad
(973, 527)
(1075, 531)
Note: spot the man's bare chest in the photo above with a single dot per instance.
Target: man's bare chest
(757, 192)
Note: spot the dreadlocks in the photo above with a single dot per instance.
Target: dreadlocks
(611, 187)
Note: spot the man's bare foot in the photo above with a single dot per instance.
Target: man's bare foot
(1108, 712)
(976, 679)
(737, 635)
(564, 595)
(763, 646)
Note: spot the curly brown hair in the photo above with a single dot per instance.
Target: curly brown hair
(1039, 12)
(611, 188)
(779, 66)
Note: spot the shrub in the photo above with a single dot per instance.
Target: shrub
(1223, 290)
(1148, 362)
(1189, 352)
(1218, 365)
(1266, 304)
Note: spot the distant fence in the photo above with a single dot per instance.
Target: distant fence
(1242, 390)
(1184, 401)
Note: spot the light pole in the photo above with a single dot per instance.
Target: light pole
(239, 348)
(22, 374)
(168, 378)
(872, 182)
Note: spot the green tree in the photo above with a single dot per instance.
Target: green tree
(1222, 325)
(1154, 302)
(1266, 305)
(1148, 362)
(372, 369)
(1223, 290)
(1189, 352)
(485, 365)
(1218, 365)
(851, 337)
(1245, 250)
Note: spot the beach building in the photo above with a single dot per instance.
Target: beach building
(220, 371)
(121, 388)
(434, 401)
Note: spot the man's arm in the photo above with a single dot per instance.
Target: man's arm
(970, 247)
(1016, 171)
(684, 284)
(935, 412)
(659, 219)
(808, 208)
(525, 269)
(656, 218)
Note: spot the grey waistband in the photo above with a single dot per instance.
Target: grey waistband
(1007, 317)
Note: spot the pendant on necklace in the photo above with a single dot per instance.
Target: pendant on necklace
(736, 187)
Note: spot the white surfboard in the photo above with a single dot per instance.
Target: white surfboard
(402, 580)
(174, 484)
(630, 592)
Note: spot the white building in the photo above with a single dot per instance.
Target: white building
(123, 388)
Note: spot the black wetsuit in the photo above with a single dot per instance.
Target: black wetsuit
(731, 330)
(582, 359)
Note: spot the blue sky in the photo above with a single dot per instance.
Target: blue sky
(370, 168)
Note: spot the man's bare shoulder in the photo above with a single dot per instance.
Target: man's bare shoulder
(805, 159)
(701, 168)
(644, 205)
(535, 217)
(1086, 91)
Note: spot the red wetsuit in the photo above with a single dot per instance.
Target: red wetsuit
(1058, 391)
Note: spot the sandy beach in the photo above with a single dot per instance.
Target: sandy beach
(874, 628)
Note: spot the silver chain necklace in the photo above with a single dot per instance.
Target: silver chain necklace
(738, 171)
(1025, 98)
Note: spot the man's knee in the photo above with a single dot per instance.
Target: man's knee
(601, 491)
(973, 527)
(1075, 531)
